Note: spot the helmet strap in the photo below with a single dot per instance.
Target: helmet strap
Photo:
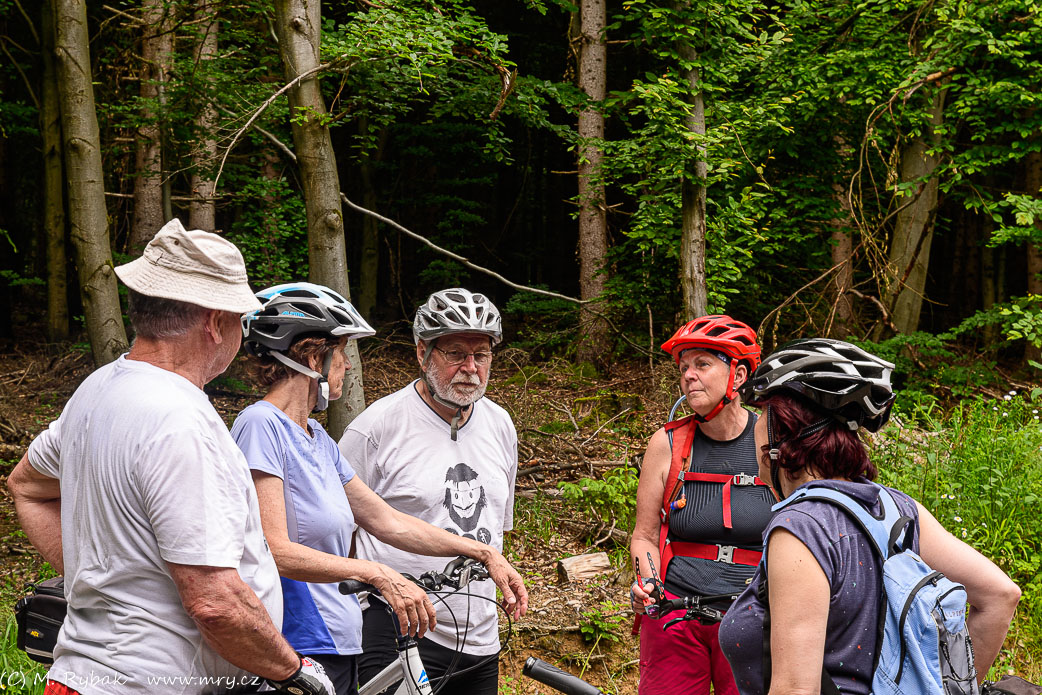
(323, 386)
(729, 396)
(773, 447)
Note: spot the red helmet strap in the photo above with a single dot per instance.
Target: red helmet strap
(729, 395)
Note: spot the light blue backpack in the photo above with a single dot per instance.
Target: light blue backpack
(924, 646)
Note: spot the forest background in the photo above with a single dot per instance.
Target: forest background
(602, 170)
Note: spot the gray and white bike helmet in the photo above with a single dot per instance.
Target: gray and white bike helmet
(835, 377)
(457, 310)
(297, 309)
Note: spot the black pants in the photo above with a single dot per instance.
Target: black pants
(378, 650)
(341, 669)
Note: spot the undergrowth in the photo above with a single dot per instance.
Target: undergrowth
(978, 469)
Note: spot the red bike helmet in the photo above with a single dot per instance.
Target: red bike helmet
(721, 334)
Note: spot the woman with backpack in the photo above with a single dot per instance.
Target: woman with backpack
(701, 509)
(813, 620)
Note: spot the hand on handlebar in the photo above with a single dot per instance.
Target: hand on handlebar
(643, 593)
(409, 602)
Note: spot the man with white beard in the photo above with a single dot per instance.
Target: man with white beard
(438, 450)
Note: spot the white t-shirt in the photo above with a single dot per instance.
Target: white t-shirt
(149, 475)
(402, 450)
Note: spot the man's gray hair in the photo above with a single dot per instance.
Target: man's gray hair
(157, 318)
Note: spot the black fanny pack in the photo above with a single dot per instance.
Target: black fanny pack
(40, 616)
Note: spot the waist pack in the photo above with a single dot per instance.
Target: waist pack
(1011, 685)
(924, 645)
(39, 617)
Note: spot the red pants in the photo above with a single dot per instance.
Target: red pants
(684, 659)
(56, 688)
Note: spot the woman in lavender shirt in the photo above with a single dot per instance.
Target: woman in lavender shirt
(823, 574)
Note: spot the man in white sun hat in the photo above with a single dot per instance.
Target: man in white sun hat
(139, 495)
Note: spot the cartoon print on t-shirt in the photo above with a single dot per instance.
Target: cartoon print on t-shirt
(465, 500)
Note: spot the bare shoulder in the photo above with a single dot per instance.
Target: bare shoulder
(657, 456)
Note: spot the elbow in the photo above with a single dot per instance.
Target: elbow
(210, 614)
(1009, 597)
(1000, 600)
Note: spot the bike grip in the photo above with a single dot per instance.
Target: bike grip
(539, 670)
(353, 586)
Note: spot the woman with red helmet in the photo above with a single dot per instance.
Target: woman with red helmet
(701, 509)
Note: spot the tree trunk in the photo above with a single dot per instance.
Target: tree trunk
(1033, 183)
(913, 230)
(53, 185)
(368, 284)
(298, 25)
(157, 45)
(88, 219)
(201, 210)
(593, 224)
(987, 267)
(693, 190)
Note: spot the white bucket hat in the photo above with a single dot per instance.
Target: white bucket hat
(196, 267)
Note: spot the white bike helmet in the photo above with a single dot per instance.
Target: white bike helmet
(299, 309)
(296, 309)
(457, 310)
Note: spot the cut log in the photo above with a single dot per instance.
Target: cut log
(586, 566)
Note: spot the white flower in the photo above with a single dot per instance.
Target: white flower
(995, 408)
(958, 519)
(1013, 393)
(1005, 415)
(1034, 412)
(964, 533)
(1007, 398)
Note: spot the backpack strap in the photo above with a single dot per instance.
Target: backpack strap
(890, 533)
(885, 531)
(740, 479)
(683, 431)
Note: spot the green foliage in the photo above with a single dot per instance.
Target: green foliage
(603, 622)
(271, 231)
(545, 326)
(611, 499)
(978, 469)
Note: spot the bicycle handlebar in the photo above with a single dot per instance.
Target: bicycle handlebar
(539, 670)
(694, 605)
(456, 575)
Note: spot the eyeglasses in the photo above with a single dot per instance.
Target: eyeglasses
(456, 357)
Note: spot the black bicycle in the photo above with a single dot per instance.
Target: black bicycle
(694, 607)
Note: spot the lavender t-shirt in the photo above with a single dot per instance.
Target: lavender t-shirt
(316, 618)
(854, 574)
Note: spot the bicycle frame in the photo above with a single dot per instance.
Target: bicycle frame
(408, 669)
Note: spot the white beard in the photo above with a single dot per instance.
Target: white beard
(450, 390)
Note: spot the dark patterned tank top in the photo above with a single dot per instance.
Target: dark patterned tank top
(701, 519)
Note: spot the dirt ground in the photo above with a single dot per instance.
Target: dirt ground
(571, 422)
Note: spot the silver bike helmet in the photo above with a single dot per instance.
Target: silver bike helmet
(295, 309)
(835, 377)
(457, 310)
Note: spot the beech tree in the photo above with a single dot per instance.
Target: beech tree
(88, 218)
(299, 28)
